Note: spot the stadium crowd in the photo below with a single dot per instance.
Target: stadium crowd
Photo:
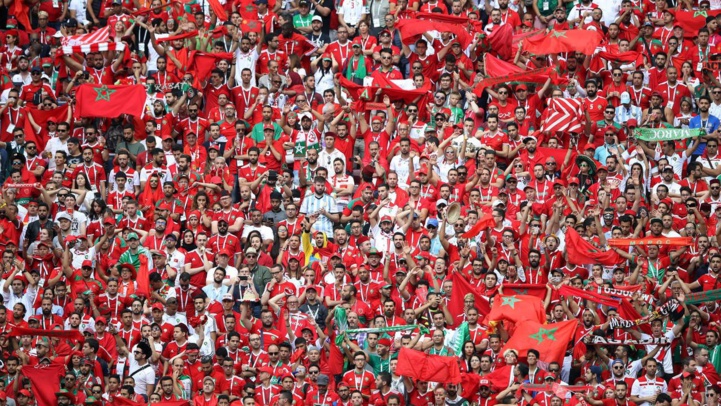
(379, 202)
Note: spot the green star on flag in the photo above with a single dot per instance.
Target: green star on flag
(700, 13)
(558, 34)
(548, 333)
(510, 301)
(103, 93)
(520, 291)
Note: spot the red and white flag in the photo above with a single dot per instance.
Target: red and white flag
(96, 41)
(564, 115)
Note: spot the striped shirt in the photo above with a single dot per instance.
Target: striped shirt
(312, 204)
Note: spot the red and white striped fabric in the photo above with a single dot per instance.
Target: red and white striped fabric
(96, 41)
(99, 47)
(564, 115)
(101, 35)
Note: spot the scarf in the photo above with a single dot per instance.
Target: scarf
(360, 72)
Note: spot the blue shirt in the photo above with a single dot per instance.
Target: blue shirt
(710, 125)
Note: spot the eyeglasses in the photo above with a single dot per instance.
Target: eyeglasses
(300, 100)
(62, 195)
(609, 112)
(273, 353)
(502, 92)
(413, 111)
(619, 74)
(550, 163)
(35, 73)
(313, 372)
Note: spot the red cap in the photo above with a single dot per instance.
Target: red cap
(574, 180)
(687, 374)
(87, 263)
(632, 123)
(484, 382)
(101, 320)
(521, 87)
(25, 392)
(590, 145)
(225, 251)
(559, 182)
(194, 213)
(52, 119)
(268, 127)
(158, 306)
(386, 218)
(601, 168)
(385, 341)
(377, 118)
(110, 221)
(357, 41)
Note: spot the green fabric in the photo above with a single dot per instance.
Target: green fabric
(667, 134)
(360, 72)
(257, 133)
(461, 336)
(299, 21)
(344, 332)
(551, 6)
(702, 297)
(379, 364)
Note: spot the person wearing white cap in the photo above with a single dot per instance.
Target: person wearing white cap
(17, 82)
(627, 111)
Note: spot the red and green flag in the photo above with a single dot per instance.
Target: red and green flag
(109, 101)
(516, 308)
(582, 252)
(550, 340)
(461, 288)
(561, 41)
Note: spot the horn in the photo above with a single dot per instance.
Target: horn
(453, 213)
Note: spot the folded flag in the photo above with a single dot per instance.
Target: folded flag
(426, 367)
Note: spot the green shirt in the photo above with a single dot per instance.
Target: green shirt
(257, 133)
(379, 364)
(547, 7)
(299, 21)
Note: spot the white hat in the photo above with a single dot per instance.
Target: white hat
(17, 79)
(317, 18)
(304, 115)
(625, 98)
(63, 215)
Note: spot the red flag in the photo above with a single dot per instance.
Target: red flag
(564, 115)
(425, 367)
(581, 252)
(501, 39)
(121, 401)
(531, 76)
(24, 331)
(517, 308)
(497, 67)
(203, 63)
(143, 277)
(218, 10)
(250, 26)
(461, 288)
(470, 383)
(483, 223)
(412, 30)
(21, 11)
(692, 21)
(191, 34)
(551, 340)
(561, 41)
(335, 357)
(537, 290)
(627, 312)
(45, 381)
(109, 101)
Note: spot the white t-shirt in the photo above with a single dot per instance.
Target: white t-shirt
(142, 378)
(80, 8)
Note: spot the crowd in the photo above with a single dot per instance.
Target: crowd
(320, 197)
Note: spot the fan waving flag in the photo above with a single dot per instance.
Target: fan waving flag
(45, 380)
(561, 41)
(461, 288)
(109, 101)
(550, 340)
(517, 308)
(431, 368)
(582, 252)
(564, 115)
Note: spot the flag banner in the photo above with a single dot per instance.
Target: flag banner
(21, 185)
(534, 76)
(566, 290)
(426, 367)
(598, 340)
(628, 293)
(483, 223)
(531, 289)
(550, 340)
(556, 42)
(582, 252)
(667, 134)
(218, 10)
(90, 48)
(559, 390)
(121, 401)
(24, 331)
(703, 297)
(412, 30)
(628, 313)
(109, 100)
(501, 40)
(186, 35)
(381, 330)
(45, 380)
(456, 304)
(564, 115)
(672, 241)
(460, 336)
(101, 35)
(516, 309)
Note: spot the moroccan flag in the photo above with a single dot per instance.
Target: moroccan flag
(412, 30)
(191, 34)
(218, 10)
(500, 41)
(561, 41)
(582, 252)
(45, 380)
(531, 76)
(497, 67)
(598, 65)
(109, 101)
(425, 367)
(461, 288)
(483, 223)
(21, 11)
(470, 384)
(203, 63)
(537, 290)
(143, 280)
(551, 340)
(692, 21)
(250, 26)
(517, 308)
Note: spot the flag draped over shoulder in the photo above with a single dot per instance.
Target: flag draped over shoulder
(516, 308)
(45, 380)
(425, 367)
(561, 41)
(581, 252)
(109, 101)
(550, 340)
(461, 288)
